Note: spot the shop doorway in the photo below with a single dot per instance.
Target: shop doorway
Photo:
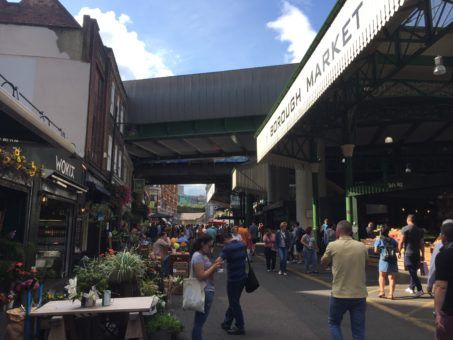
(13, 214)
(54, 231)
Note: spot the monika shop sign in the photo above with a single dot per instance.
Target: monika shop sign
(355, 25)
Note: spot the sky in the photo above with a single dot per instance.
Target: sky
(154, 38)
(158, 38)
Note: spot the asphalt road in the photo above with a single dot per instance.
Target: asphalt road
(296, 307)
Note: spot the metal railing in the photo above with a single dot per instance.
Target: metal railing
(24, 100)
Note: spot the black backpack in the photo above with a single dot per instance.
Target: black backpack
(389, 250)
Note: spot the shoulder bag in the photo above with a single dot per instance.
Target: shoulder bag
(251, 282)
(193, 293)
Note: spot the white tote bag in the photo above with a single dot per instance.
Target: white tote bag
(193, 293)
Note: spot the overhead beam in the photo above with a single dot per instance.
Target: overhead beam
(153, 160)
(195, 128)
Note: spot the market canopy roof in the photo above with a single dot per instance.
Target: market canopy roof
(373, 61)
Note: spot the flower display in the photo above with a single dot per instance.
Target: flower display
(16, 161)
(71, 288)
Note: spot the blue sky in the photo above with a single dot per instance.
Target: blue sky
(194, 36)
(153, 38)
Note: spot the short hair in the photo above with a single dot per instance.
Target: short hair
(283, 224)
(308, 230)
(345, 227)
(447, 231)
(227, 236)
(385, 231)
(411, 217)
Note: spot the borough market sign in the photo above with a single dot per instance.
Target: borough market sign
(353, 28)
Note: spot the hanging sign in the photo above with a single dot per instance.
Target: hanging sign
(354, 27)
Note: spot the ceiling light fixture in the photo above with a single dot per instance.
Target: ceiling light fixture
(439, 68)
(388, 140)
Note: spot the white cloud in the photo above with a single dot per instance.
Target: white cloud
(293, 26)
(134, 59)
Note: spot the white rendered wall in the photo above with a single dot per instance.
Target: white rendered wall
(30, 58)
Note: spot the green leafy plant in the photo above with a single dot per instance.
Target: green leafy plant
(125, 266)
(164, 322)
(91, 272)
(149, 288)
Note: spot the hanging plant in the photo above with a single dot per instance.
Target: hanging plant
(121, 196)
(15, 161)
(99, 212)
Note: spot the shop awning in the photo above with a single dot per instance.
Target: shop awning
(24, 115)
(63, 182)
(100, 188)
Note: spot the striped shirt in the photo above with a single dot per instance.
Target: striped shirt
(235, 254)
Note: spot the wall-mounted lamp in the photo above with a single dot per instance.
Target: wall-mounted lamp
(44, 199)
(388, 140)
(439, 68)
(408, 170)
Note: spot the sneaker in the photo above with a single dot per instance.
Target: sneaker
(299, 262)
(285, 273)
(224, 326)
(268, 270)
(280, 272)
(236, 331)
(409, 290)
(419, 293)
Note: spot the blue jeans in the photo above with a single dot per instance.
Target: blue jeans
(200, 318)
(357, 310)
(283, 254)
(412, 263)
(234, 311)
(311, 260)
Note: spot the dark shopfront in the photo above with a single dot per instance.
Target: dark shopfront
(428, 197)
(57, 228)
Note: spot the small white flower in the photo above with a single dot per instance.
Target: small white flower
(72, 288)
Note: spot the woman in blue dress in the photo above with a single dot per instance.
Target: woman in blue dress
(387, 247)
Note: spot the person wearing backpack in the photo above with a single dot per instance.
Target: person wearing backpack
(387, 247)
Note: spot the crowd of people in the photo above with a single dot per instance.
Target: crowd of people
(338, 252)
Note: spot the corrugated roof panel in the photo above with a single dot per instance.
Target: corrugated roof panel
(224, 94)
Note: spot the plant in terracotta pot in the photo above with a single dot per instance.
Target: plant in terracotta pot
(164, 326)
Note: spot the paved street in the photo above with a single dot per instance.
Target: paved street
(296, 306)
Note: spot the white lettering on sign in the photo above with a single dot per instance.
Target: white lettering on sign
(352, 29)
(64, 167)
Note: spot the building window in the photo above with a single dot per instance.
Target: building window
(115, 160)
(109, 154)
(112, 100)
(120, 164)
(121, 119)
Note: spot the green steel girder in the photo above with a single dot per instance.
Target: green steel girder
(193, 128)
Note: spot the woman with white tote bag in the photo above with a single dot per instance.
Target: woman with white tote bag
(203, 270)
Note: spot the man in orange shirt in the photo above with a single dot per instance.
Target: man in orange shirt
(247, 239)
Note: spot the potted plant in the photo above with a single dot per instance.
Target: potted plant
(164, 326)
(90, 281)
(125, 269)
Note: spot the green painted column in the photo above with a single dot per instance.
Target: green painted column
(348, 182)
(315, 185)
(348, 150)
(315, 203)
(249, 199)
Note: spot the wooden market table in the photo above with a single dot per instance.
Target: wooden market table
(64, 312)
